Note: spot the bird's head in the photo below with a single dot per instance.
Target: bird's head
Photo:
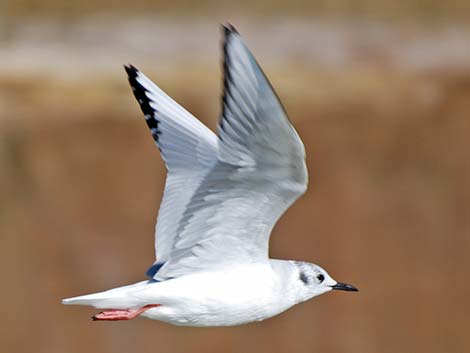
(312, 280)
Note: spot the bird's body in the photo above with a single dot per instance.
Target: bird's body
(219, 298)
(225, 297)
(223, 195)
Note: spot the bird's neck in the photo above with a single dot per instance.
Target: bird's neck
(289, 284)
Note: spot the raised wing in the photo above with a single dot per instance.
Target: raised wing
(259, 173)
(188, 148)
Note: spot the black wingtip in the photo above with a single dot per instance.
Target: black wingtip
(144, 102)
(229, 29)
(131, 70)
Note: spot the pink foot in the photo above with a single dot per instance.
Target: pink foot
(121, 314)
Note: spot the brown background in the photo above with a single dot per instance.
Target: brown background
(380, 95)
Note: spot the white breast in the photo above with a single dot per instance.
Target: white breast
(223, 298)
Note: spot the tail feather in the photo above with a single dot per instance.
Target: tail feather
(99, 301)
(117, 298)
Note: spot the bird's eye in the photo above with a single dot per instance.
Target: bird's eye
(320, 278)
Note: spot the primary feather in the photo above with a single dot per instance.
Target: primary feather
(222, 195)
(188, 148)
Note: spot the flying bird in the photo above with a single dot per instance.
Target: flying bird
(223, 195)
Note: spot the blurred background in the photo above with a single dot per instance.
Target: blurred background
(379, 92)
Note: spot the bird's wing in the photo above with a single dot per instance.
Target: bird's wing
(259, 173)
(188, 148)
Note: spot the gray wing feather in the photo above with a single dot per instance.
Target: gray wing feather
(188, 148)
(260, 171)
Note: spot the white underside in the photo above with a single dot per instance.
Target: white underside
(218, 298)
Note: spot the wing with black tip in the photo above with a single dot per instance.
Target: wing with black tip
(260, 171)
(188, 148)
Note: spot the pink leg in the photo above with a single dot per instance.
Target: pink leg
(121, 314)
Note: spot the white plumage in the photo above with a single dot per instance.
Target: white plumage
(222, 197)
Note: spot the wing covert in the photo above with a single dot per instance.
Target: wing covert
(188, 148)
(260, 171)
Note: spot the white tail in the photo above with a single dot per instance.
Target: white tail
(117, 298)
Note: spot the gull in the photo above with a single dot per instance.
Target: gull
(223, 195)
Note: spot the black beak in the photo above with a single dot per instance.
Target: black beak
(344, 286)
